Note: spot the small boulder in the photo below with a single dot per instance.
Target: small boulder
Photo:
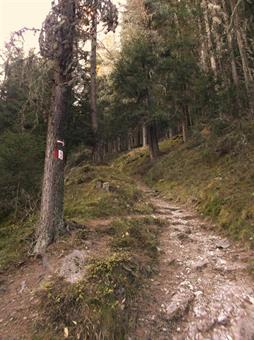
(106, 186)
(99, 185)
(179, 305)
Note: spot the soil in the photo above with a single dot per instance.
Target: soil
(202, 289)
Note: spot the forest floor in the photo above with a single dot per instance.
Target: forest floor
(202, 289)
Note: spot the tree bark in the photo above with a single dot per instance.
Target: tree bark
(184, 131)
(244, 58)
(51, 220)
(152, 140)
(93, 90)
(203, 50)
(93, 65)
(235, 76)
(144, 135)
(209, 38)
(51, 213)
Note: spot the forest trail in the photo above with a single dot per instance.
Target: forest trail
(202, 290)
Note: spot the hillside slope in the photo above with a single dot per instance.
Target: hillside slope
(118, 271)
(214, 171)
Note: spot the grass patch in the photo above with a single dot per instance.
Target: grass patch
(103, 304)
(139, 235)
(85, 199)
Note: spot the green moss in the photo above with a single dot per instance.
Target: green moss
(97, 307)
(84, 200)
(15, 241)
(136, 234)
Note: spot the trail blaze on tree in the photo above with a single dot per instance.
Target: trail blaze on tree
(56, 43)
(64, 26)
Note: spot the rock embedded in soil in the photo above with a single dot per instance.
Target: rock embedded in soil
(73, 266)
(222, 244)
(179, 305)
(200, 264)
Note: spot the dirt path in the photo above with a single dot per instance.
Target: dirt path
(202, 290)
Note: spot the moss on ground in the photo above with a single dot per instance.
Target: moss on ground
(103, 304)
(83, 201)
(214, 171)
(16, 241)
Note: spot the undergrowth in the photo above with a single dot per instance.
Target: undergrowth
(85, 197)
(84, 200)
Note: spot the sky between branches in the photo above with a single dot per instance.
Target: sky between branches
(16, 14)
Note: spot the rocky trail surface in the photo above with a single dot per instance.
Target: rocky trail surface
(202, 289)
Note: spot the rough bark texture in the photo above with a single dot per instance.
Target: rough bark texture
(235, 76)
(152, 140)
(243, 54)
(144, 135)
(93, 94)
(209, 37)
(51, 214)
(184, 130)
(93, 74)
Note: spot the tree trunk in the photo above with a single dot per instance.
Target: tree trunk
(51, 220)
(184, 130)
(51, 214)
(203, 50)
(235, 76)
(170, 133)
(244, 58)
(93, 90)
(129, 143)
(144, 135)
(152, 140)
(209, 37)
(118, 144)
(93, 65)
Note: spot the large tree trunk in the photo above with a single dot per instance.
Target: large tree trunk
(52, 203)
(51, 213)
(152, 140)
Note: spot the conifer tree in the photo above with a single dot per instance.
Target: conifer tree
(65, 26)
